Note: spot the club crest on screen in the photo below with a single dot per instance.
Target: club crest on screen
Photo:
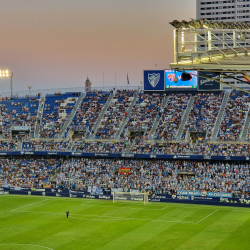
(154, 79)
(171, 77)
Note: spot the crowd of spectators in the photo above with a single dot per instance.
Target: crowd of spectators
(99, 147)
(144, 112)
(156, 175)
(171, 116)
(115, 113)
(156, 148)
(89, 110)
(26, 172)
(39, 145)
(8, 145)
(203, 114)
(18, 112)
(226, 149)
(234, 116)
(57, 108)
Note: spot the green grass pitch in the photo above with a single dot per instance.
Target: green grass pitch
(32, 222)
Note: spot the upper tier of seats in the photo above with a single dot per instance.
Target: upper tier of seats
(20, 111)
(56, 110)
(89, 110)
(129, 111)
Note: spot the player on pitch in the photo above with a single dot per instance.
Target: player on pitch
(67, 215)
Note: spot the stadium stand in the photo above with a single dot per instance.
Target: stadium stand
(101, 130)
(234, 117)
(99, 147)
(57, 108)
(159, 176)
(166, 148)
(143, 114)
(8, 145)
(89, 110)
(18, 111)
(171, 116)
(115, 114)
(39, 145)
(203, 114)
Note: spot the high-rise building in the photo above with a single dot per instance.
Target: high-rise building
(225, 11)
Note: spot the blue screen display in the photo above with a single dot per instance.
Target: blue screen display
(169, 80)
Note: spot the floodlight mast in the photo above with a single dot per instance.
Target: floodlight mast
(222, 47)
(7, 73)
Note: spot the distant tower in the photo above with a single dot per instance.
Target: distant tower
(88, 85)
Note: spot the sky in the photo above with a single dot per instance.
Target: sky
(58, 43)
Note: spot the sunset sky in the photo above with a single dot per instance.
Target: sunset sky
(58, 43)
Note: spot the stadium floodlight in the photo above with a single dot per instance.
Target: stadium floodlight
(176, 24)
(207, 24)
(245, 26)
(196, 24)
(7, 73)
(184, 24)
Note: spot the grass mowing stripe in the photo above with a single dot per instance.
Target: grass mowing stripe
(215, 230)
(120, 225)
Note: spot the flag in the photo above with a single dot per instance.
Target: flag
(127, 79)
(246, 76)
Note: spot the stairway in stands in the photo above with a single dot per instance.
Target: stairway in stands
(70, 146)
(39, 116)
(125, 119)
(246, 126)
(157, 120)
(19, 146)
(72, 114)
(129, 146)
(104, 110)
(220, 116)
(184, 120)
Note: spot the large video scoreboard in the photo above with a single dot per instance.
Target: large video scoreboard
(163, 80)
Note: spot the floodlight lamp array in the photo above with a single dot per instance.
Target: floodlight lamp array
(207, 24)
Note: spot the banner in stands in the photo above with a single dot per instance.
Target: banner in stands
(239, 202)
(127, 155)
(154, 80)
(207, 84)
(124, 170)
(203, 194)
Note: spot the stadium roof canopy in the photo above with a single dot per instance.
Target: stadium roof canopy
(205, 45)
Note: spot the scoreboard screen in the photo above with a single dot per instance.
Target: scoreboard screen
(169, 80)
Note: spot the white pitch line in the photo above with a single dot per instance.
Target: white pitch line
(6, 244)
(103, 217)
(163, 208)
(28, 205)
(206, 216)
(85, 204)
